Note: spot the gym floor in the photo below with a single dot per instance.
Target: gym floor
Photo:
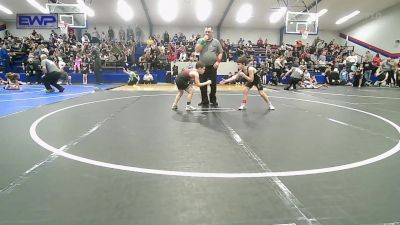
(122, 156)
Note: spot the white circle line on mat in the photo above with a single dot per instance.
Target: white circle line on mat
(59, 151)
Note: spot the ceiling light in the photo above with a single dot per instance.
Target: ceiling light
(6, 10)
(244, 13)
(38, 6)
(276, 16)
(85, 8)
(314, 16)
(203, 9)
(345, 18)
(168, 9)
(124, 10)
(322, 12)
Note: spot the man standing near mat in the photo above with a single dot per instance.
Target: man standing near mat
(51, 74)
(210, 50)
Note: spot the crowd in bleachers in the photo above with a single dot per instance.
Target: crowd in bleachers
(22, 54)
(339, 64)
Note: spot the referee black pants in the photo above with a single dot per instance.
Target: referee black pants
(209, 74)
(293, 81)
(52, 79)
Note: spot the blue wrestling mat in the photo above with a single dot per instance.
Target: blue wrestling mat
(32, 96)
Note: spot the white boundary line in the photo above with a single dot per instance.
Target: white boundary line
(359, 96)
(18, 93)
(339, 122)
(58, 151)
(283, 192)
(9, 188)
(214, 110)
(53, 96)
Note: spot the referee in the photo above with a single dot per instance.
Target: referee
(210, 50)
(51, 74)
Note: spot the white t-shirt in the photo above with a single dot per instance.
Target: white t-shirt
(352, 59)
(148, 77)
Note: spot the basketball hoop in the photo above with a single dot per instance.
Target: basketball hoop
(63, 27)
(304, 33)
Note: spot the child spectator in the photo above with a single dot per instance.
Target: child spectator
(32, 71)
(148, 78)
(77, 64)
(343, 76)
(85, 72)
(274, 79)
(64, 77)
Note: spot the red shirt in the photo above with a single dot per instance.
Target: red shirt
(376, 61)
(171, 57)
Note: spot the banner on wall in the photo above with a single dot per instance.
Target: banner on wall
(37, 21)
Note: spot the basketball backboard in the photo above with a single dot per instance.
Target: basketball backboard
(69, 13)
(300, 21)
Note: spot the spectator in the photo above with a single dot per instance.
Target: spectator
(166, 37)
(368, 56)
(4, 58)
(175, 71)
(388, 67)
(95, 36)
(381, 77)
(103, 36)
(121, 34)
(96, 66)
(278, 67)
(110, 34)
(367, 66)
(358, 79)
(398, 73)
(376, 63)
(89, 37)
(183, 57)
(343, 77)
(138, 33)
(148, 78)
(274, 79)
(65, 78)
(77, 64)
(329, 79)
(260, 43)
(85, 71)
(32, 70)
